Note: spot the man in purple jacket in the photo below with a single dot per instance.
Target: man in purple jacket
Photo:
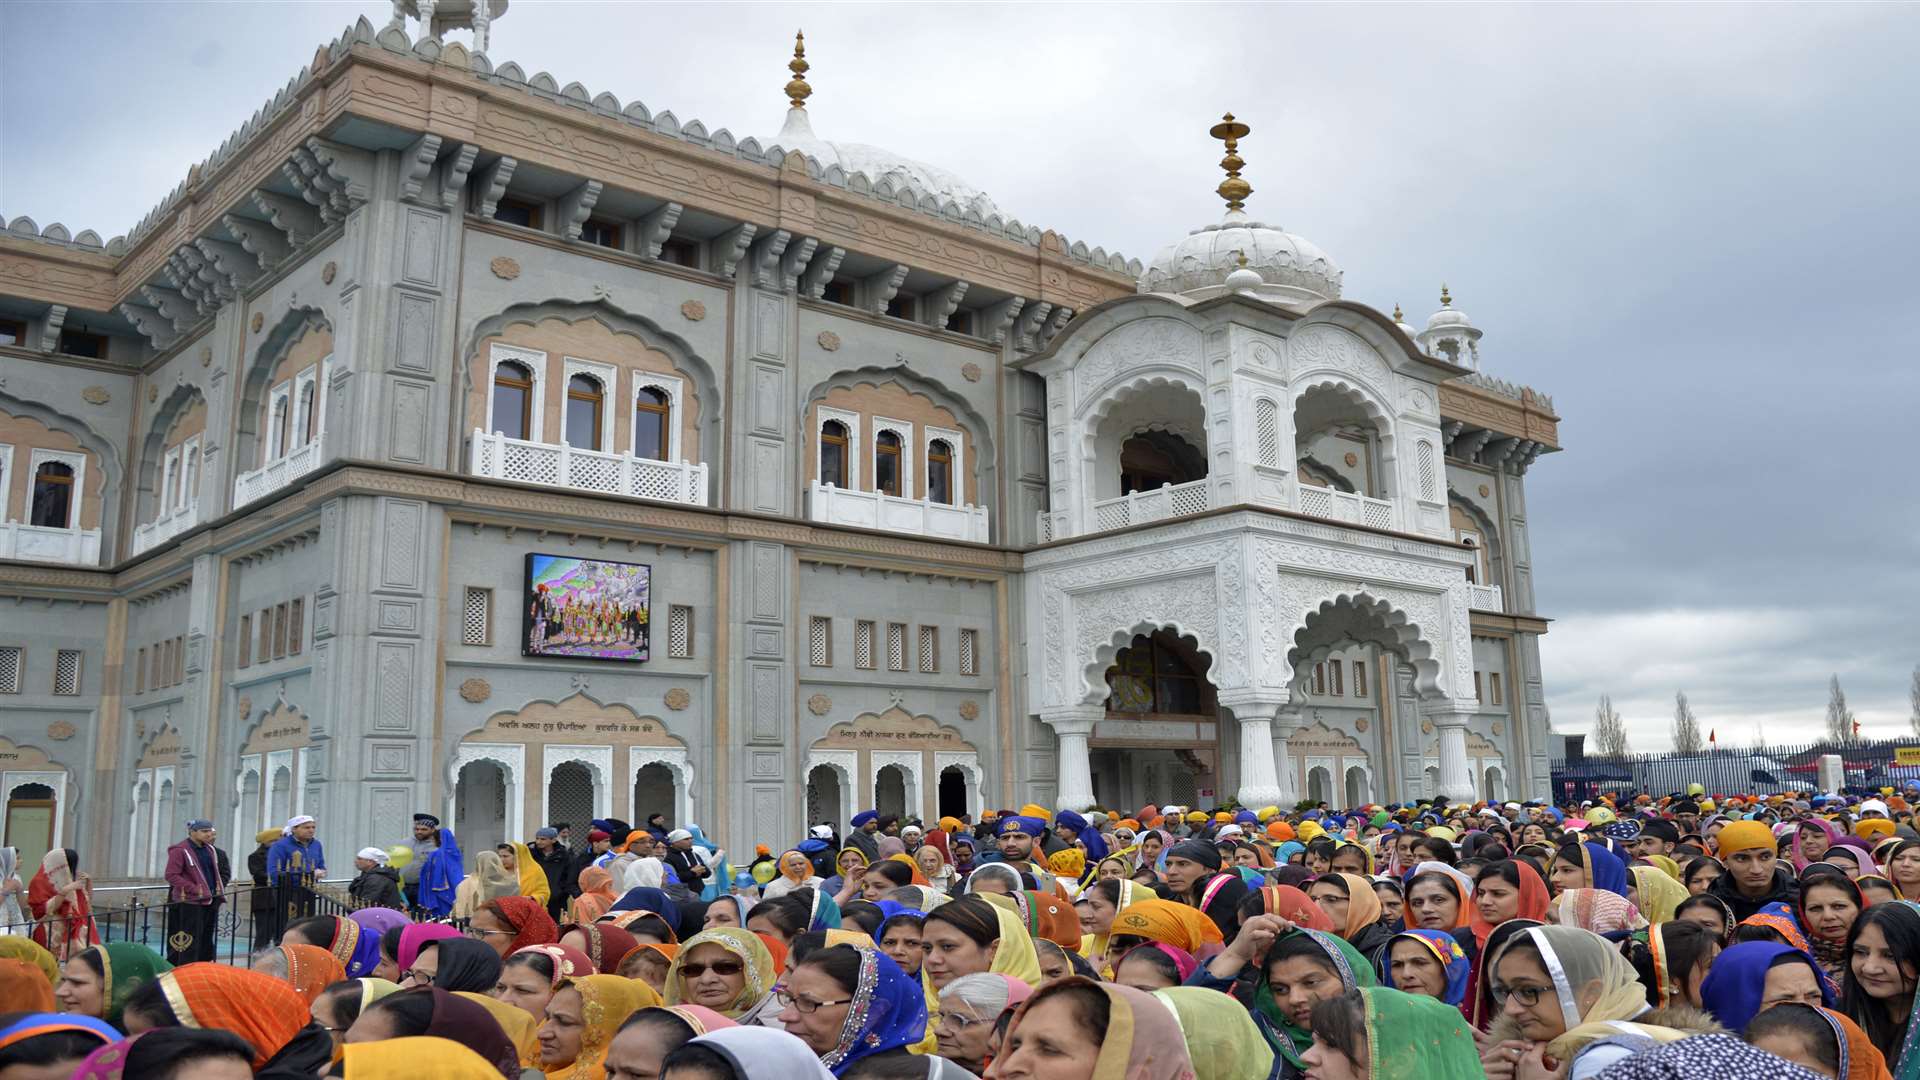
(197, 872)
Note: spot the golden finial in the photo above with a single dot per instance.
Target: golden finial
(797, 89)
(1241, 254)
(1397, 317)
(1445, 300)
(1233, 189)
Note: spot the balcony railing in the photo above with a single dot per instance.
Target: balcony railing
(1347, 506)
(1139, 507)
(560, 465)
(873, 510)
(77, 547)
(166, 527)
(276, 474)
(1485, 598)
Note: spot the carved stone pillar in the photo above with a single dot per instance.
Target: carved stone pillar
(1072, 727)
(1259, 776)
(1456, 780)
(1285, 723)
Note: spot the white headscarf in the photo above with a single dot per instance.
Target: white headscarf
(645, 873)
(762, 1051)
(294, 823)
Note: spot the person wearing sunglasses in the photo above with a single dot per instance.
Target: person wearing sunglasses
(728, 970)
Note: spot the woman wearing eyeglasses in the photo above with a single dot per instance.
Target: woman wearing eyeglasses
(849, 1003)
(1602, 1019)
(969, 1007)
(728, 970)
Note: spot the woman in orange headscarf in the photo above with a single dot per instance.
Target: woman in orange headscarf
(311, 969)
(259, 1008)
(1178, 925)
(24, 988)
(596, 895)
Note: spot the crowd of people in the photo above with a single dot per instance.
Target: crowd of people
(1632, 937)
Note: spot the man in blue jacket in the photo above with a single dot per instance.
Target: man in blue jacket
(295, 863)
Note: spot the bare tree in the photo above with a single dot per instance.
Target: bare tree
(1913, 695)
(1686, 727)
(1839, 717)
(1609, 730)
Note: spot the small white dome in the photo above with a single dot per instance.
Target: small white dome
(1448, 315)
(879, 164)
(1400, 322)
(1289, 267)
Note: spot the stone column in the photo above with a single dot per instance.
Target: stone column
(1456, 780)
(1285, 722)
(1259, 775)
(1072, 727)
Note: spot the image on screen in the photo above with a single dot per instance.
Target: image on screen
(588, 609)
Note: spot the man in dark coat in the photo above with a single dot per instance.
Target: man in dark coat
(376, 884)
(555, 861)
(197, 873)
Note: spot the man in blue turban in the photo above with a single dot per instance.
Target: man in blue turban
(866, 827)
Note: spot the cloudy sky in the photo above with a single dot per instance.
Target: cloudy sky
(1694, 226)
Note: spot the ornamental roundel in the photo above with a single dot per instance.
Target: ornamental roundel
(1499, 728)
(61, 731)
(829, 341)
(1485, 491)
(693, 310)
(206, 356)
(476, 690)
(677, 699)
(1426, 727)
(1360, 723)
(245, 705)
(969, 710)
(819, 704)
(327, 273)
(96, 395)
(259, 320)
(970, 372)
(1352, 459)
(504, 268)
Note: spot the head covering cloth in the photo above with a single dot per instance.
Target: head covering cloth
(1143, 1040)
(259, 1008)
(311, 969)
(1447, 951)
(125, 966)
(606, 1002)
(760, 972)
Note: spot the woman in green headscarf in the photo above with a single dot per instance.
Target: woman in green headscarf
(1224, 1043)
(99, 979)
(1429, 1040)
(1283, 971)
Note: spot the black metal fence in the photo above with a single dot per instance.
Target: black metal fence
(1765, 770)
(247, 919)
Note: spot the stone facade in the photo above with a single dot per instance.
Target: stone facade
(423, 317)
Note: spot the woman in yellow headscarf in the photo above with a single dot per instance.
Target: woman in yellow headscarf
(416, 1058)
(1016, 955)
(743, 996)
(582, 1018)
(533, 879)
(1655, 894)
(1069, 863)
(1104, 903)
(521, 1028)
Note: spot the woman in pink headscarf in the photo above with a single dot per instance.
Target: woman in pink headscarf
(1811, 839)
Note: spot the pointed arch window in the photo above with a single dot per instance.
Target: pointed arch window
(652, 420)
(833, 453)
(53, 495)
(940, 471)
(513, 400)
(309, 415)
(886, 463)
(585, 400)
(282, 426)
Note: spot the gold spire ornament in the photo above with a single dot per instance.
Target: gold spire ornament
(1445, 300)
(1233, 189)
(797, 89)
(1397, 317)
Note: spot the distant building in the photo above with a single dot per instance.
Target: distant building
(937, 509)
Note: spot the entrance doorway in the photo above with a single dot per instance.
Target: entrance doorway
(480, 806)
(29, 824)
(953, 791)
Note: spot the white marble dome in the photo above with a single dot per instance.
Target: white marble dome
(879, 164)
(1292, 267)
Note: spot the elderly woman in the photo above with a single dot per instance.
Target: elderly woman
(969, 1007)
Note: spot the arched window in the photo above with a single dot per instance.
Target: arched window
(585, 397)
(833, 453)
(53, 495)
(652, 413)
(513, 401)
(281, 427)
(886, 463)
(309, 416)
(1157, 675)
(940, 471)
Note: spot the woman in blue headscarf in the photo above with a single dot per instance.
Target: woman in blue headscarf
(642, 898)
(440, 876)
(1429, 962)
(1587, 866)
(852, 1002)
(1757, 975)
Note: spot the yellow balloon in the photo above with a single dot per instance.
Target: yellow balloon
(399, 855)
(763, 872)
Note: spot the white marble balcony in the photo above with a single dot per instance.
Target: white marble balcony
(873, 510)
(498, 457)
(1140, 507)
(1348, 507)
(166, 527)
(1485, 598)
(276, 474)
(74, 547)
